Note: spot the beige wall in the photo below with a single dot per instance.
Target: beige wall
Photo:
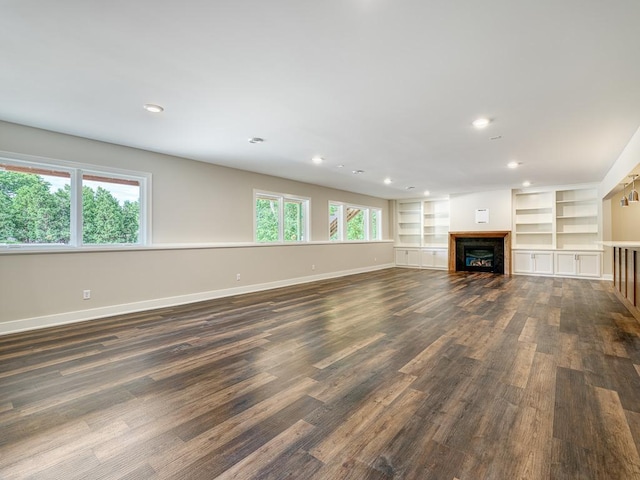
(625, 222)
(463, 211)
(193, 203)
(46, 289)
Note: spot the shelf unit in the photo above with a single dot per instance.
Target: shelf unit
(423, 223)
(409, 223)
(422, 233)
(435, 224)
(533, 220)
(577, 218)
(562, 219)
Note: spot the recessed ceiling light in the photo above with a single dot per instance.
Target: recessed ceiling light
(526, 183)
(317, 160)
(387, 181)
(357, 172)
(514, 164)
(150, 107)
(427, 193)
(481, 122)
(256, 140)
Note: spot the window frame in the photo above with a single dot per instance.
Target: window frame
(342, 231)
(282, 198)
(76, 172)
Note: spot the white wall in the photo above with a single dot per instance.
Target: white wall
(623, 166)
(463, 211)
(193, 203)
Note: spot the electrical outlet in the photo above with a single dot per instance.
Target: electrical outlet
(313, 267)
(86, 294)
(237, 277)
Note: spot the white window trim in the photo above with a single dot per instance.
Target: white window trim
(76, 171)
(342, 221)
(281, 198)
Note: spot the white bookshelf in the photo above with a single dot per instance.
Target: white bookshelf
(435, 223)
(577, 219)
(409, 225)
(533, 220)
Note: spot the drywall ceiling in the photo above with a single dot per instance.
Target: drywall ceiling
(388, 87)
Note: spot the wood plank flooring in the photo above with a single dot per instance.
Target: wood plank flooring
(396, 374)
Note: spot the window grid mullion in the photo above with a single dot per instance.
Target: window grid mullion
(76, 208)
(281, 219)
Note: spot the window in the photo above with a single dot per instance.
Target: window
(375, 232)
(335, 221)
(352, 222)
(64, 204)
(110, 209)
(281, 218)
(356, 225)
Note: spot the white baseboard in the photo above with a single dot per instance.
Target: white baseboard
(25, 324)
(608, 277)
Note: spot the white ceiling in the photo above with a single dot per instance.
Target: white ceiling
(390, 87)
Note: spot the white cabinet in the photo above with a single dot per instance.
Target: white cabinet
(578, 264)
(436, 258)
(407, 257)
(533, 262)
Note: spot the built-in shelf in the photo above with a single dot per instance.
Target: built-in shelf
(556, 219)
(422, 223)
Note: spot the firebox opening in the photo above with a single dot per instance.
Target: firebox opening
(479, 258)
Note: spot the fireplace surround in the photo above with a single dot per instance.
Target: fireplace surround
(480, 252)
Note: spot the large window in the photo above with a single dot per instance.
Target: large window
(281, 218)
(353, 222)
(63, 204)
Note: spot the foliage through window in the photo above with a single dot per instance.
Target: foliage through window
(39, 205)
(352, 222)
(335, 221)
(281, 218)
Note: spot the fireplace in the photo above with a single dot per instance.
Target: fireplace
(479, 258)
(480, 252)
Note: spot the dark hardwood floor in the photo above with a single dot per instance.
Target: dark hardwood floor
(397, 374)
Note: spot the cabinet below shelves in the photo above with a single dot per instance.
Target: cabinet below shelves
(539, 263)
(558, 263)
(407, 257)
(578, 264)
(432, 258)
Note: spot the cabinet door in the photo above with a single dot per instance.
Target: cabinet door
(441, 259)
(588, 264)
(401, 257)
(413, 258)
(566, 263)
(436, 258)
(522, 262)
(543, 262)
(428, 259)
